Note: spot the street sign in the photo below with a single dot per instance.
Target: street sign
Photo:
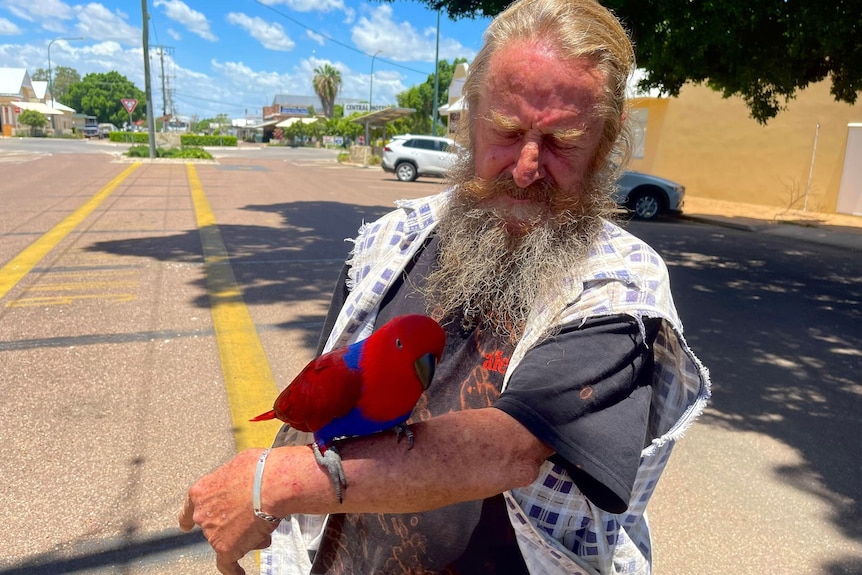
(129, 104)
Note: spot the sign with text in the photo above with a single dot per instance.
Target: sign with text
(129, 104)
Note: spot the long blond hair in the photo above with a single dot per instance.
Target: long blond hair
(575, 29)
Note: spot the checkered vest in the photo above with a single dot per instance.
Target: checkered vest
(558, 529)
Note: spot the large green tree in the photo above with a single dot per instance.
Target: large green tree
(422, 99)
(327, 83)
(763, 51)
(63, 78)
(100, 95)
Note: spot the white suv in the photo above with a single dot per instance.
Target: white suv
(412, 156)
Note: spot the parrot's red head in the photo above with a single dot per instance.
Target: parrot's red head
(414, 339)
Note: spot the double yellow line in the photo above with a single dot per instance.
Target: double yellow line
(250, 385)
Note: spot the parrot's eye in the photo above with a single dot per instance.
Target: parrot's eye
(398, 343)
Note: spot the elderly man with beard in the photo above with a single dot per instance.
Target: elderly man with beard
(565, 381)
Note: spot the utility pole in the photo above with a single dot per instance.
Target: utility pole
(147, 89)
(167, 104)
(434, 99)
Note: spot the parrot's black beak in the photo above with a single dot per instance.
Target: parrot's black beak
(425, 367)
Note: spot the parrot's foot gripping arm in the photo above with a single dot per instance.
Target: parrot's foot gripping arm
(404, 429)
(331, 460)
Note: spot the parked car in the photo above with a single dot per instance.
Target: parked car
(647, 197)
(105, 130)
(91, 127)
(409, 157)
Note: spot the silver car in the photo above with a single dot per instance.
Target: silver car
(409, 157)
(648, 197)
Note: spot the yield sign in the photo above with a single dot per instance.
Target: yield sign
(129, 104)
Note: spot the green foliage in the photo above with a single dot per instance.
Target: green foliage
(63, 78)
(188, 153)
(762, 51)
(421, 98)
(33, 119)
(327, 83)
(100, 94)
(195, 140)
(126, 137)
(343, 157)
(179, 153)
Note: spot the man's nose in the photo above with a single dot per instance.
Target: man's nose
(528, 167)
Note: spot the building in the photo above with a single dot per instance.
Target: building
(18, 93)
(808, 157)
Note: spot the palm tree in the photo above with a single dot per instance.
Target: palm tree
(327, 83)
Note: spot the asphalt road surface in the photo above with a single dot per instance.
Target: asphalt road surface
(146, 310)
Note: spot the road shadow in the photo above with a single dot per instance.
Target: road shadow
(795, 377)
(297, 260)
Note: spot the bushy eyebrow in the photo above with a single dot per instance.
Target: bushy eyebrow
(507, 124)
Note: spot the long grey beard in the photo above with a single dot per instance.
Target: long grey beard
(494, 278)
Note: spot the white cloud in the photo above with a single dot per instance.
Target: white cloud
(400, 41)
(308, 5)
(270, 35)
(39, 11)
(174, 34)
(194, 21)
(315, 37)
(95, 22)
(8, 28)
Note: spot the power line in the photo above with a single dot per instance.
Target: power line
(334, 41)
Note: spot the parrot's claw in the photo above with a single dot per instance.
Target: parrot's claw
(404, 429)
(331, 460)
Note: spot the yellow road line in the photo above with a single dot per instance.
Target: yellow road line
(20, 266)
(251, 388)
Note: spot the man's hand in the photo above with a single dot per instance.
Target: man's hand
(221, 503)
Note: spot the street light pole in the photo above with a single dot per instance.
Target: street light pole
(51, 74)
(370, 95)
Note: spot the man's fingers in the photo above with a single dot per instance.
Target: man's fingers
(186, 516)
(228, 567)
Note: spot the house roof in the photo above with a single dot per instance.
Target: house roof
(12, 80)
(40, 88)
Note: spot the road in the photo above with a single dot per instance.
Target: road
(128, 363)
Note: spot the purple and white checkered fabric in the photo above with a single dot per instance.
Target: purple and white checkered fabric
(558, 529)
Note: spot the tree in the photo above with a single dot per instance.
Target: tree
(763, 51)
(99, 95)
(63, 78)
(33, 119)
(327, 83)
(422, 99)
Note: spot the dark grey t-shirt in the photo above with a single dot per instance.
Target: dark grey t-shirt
(584, 392)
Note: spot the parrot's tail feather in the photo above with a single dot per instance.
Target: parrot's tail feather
(264, 416)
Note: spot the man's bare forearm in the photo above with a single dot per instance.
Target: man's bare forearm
(456, 457)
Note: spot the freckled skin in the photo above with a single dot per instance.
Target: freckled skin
(539, 98)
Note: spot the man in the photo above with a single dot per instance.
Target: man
(565, 381)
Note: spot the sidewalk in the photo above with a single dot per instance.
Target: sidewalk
(835, 230)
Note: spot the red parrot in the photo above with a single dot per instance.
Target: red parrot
(369, 386)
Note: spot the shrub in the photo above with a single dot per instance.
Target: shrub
(181, 153)
(124, 137)
(195, 140)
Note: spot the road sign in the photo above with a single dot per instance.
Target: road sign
(129, 104)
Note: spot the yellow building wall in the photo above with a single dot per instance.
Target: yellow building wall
(712, 146)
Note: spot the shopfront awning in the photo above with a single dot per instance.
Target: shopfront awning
(291, 121)
(456, 106)
(381, 117)
(39, 107)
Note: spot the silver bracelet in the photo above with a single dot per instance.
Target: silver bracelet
(258, 479)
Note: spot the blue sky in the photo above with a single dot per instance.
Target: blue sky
(233, 57)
